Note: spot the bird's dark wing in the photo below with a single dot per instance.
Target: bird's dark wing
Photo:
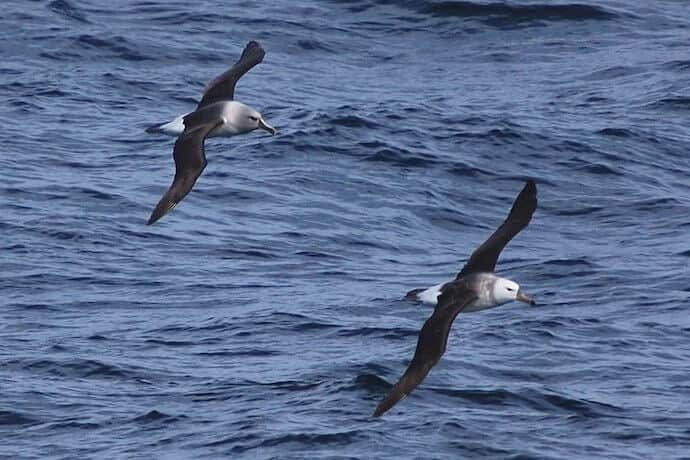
(431, 343)
(190, 161)
(484, 258)
(222, 88)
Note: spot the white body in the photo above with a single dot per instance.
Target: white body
(238, 120)
(492, 291)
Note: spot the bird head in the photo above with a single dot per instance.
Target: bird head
(246, 119)
(505, 290)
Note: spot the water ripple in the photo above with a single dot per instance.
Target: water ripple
(263, 318)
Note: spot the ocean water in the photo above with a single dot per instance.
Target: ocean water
(263, 317)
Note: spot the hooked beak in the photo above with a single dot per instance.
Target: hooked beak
(267, 127)
(522, 297)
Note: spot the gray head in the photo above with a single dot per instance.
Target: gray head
(244, 119)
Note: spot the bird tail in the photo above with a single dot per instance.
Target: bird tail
(170, 128)
(412, 295)
(155, 129)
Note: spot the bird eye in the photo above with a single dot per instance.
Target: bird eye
(510, 289)
(253, 118)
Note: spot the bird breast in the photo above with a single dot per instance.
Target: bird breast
(483, 285)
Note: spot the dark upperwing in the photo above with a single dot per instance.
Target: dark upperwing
(222, 88)
(431, 343)
(190, 161)
(484, 258)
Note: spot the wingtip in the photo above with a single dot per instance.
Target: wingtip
(393, 397)
(156, 216)
(381, 408)
(153, 218)
(530, 189)
(161, 210)
(254, 46)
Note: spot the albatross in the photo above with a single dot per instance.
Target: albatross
(475, 288)
(217, 114)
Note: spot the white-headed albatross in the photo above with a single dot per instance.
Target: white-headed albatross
(475, 288)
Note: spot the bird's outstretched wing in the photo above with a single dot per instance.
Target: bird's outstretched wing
(190, 161)
(222, 88)
(431, 343)
(484, 258)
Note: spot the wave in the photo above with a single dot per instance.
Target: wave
(155, 416)
(118, 45)
(67, 10)
(76, 368)
(501, 13)
(673, 103)
(11, 418)
(543, 401)
(400, 157)
(337, 438)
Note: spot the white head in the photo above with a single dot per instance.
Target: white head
(504, 290)
(245, 119)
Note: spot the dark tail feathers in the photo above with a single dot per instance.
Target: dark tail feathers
(412, 295)
(155, 129)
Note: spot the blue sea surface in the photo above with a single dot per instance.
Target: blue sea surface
(264, 316)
